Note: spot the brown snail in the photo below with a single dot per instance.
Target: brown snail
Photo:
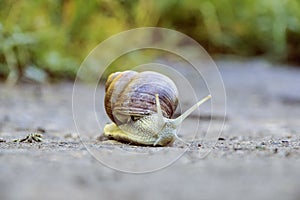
(141, 106)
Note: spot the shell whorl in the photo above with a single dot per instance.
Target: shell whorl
(132, 94)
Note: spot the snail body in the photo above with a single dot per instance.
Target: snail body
(141, 106)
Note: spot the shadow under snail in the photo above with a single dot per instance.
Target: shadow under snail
(141, 106)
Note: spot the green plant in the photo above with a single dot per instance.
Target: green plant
(55, 36)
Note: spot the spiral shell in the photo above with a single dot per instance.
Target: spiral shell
(131, 95)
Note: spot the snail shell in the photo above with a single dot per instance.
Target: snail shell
(132, 94)
(141, 106)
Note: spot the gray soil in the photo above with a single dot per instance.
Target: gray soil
(257, 155)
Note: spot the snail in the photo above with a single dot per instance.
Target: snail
(141, 106)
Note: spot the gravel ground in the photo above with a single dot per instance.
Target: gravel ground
(256, 157)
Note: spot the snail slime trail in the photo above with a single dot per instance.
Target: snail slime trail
(141, 106)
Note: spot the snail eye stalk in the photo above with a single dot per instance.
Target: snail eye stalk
(176, 122)
(158, 108)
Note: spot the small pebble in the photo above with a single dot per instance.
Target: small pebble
(233, 138)
(287, 154)
(289, 136)
(221, 138)
(260, 147)
(41, 130)
(237, 148)
(101, 138)
(285, 143)
(71, 135)
(274, 142)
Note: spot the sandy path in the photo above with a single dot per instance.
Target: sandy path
(257, 156)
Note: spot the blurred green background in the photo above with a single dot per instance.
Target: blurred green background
(50, 38)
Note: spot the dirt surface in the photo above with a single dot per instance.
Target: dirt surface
(256, 157)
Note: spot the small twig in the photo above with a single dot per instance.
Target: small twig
(32, 137)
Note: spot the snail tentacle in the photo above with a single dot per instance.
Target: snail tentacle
(159, 111)
(176, 122)
(160, 121)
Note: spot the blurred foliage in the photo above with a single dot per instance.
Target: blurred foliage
(56, 35)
